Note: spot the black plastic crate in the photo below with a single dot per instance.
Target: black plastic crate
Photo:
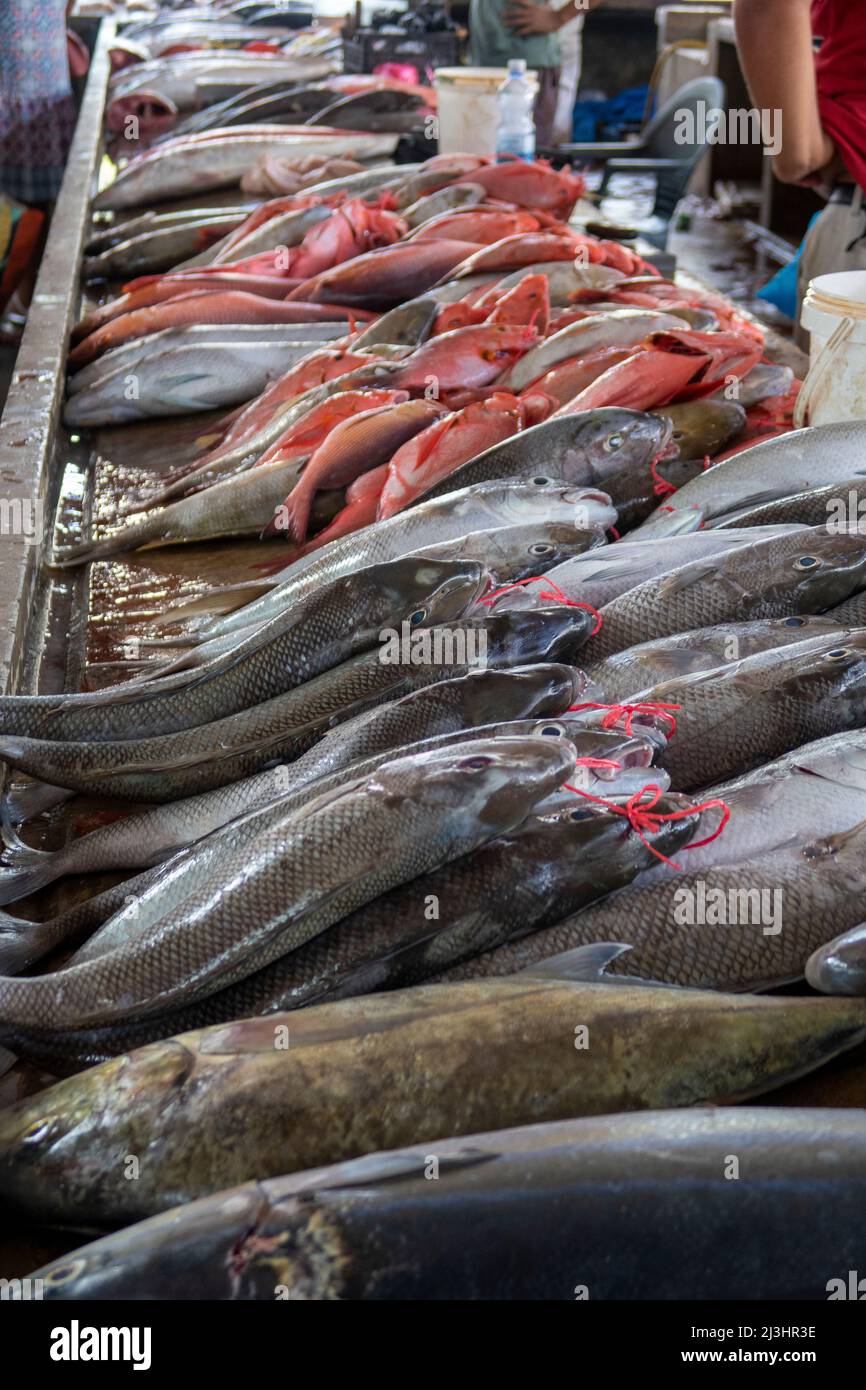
(368, 48)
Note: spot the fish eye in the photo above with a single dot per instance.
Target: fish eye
(677, 434)
(551, 730)
(62, 1274)
(541, 481)
(613, 441)
(795, 622)
(477, 762)
(806, 562)
(583, 813)
(418, 616)
(540, 548)
(36, 1131)
(838, 654)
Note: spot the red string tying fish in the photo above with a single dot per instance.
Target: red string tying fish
(615, 713)
(642, 817)
(662, 487)
(552, 594)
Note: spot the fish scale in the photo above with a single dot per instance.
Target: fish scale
(760, 581)
(304, 872)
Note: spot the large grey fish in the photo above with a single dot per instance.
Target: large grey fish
(303, 872)
(835, 506)
(507, 1213)
(736, 717)
(669, 658)
(458, 514)
(450, 709)
(130, 354)
(201, 757)
(291, 1091)
(621, 327)
(558, 859)
(106, 235)
(792, 463)
(219, 161)
(601, 575)
(161, 248)
(176, 378)
(805, 572)
(764, 380)
(594, 448)
(343, 617)
(743, 926)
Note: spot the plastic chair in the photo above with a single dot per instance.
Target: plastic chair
(657, 151)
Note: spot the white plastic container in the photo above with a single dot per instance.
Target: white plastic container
(468, 110)
(834, 315)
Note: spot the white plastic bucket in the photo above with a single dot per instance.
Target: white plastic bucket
(467, 108)
(834, 315)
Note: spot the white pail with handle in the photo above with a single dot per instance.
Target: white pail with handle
(467, 110)
(834, 314)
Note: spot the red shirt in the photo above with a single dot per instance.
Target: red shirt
(840, 67)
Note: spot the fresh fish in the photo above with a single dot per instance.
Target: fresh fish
(202, 165)
(620, 328)
(706, 649)
(600, 444)
(105, 236)
(411, 815)
(457, 514)
(450, 709)
(795, 462)
(343, 617)
(381, 279)
(558, 861)
(599, 576)
(159, 248)
(456, 195)
(834, 506)
(838, 966)
(744, 926)
(806, 572)
(177, 377)
(132, 354)
(702, 428)
(325, 1097)
(488, 897)
(733, 718)
(354, 446)
(509, 1210)
(206, 756)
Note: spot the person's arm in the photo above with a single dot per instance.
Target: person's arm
(526, 17)
(774, 39)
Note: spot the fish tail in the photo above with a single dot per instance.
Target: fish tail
(20, 945)
(24, 802)
(291, 519)
(35, 869)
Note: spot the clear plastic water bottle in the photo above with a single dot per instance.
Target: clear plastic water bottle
(515, 131)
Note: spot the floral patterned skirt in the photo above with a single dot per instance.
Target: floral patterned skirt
(37, 111)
